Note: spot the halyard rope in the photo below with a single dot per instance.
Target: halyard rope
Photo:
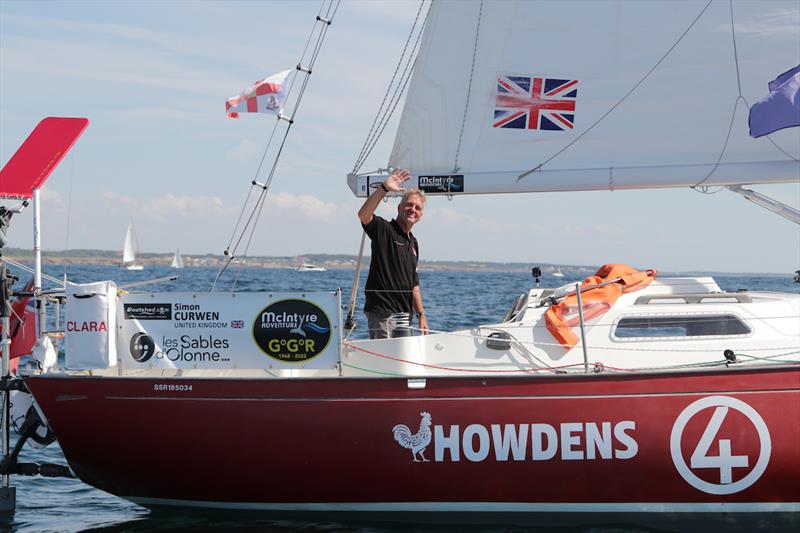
(469, 86)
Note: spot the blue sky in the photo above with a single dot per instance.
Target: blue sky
(153, 77)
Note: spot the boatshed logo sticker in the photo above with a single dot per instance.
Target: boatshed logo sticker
(292, 330)
(148, 311)
(142, 347)
(716, 464)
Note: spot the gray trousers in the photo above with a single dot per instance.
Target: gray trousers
(383, 325)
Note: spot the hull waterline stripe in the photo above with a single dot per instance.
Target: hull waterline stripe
(452, 398)
(467, 507)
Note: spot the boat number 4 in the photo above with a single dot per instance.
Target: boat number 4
(726, 460)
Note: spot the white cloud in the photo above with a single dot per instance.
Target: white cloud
(169, 205)
(459, 220)
(780, 23)
(310, 206)
(51, 198)
(246, 150)
(150, 114)
(136, 36)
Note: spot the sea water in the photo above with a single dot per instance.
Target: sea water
(453, 299)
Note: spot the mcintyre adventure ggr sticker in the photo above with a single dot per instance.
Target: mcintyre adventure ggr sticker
(292, 330)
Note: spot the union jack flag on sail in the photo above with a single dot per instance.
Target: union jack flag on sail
(535, 103)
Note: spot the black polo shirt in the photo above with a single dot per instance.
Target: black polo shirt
(392, 269)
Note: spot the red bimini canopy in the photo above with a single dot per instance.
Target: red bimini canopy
(41, 152)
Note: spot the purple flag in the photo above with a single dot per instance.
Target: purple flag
(781, 108)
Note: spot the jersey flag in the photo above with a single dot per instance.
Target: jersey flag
(265, 96)
(535, 103)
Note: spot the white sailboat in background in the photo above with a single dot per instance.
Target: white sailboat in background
(557, 273)
(130, 249)
(177, 260)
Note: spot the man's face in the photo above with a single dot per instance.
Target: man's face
(411, 209)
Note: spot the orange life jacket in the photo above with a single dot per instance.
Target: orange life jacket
(563, 316)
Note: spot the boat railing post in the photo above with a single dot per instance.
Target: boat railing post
(583, 330)
(5, 368)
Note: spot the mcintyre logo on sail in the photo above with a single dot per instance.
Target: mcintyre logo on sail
(535, 103)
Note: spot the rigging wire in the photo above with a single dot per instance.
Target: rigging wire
(26, 268)
(319, 29)
(620, 101)
(704, 190)
(303, 87)
(73, 156)
(699, 185)
(361, 154)
(469, 86)
(269, 141)
(399, 90)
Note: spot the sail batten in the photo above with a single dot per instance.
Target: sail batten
(544, 73)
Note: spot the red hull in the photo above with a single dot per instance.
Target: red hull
(305, 444)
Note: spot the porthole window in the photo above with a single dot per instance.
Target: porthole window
(680, 326)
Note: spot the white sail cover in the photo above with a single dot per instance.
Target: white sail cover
(544, 72)
(129, 248)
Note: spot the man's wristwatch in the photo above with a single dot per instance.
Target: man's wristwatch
(384, 187)
(420, 315)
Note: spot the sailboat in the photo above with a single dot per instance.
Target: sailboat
(177, 260)
(629, 397)
(130, 250)
(557, 273)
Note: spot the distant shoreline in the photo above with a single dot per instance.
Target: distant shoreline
(329, 261)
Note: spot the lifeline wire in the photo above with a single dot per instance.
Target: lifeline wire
(598, 365)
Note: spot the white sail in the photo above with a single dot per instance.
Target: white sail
(545, 74)
(129, 248)
(177, 260)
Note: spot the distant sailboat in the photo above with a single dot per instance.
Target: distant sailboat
(130, 249)
(177, 260)
(557, 273)
(304, 265)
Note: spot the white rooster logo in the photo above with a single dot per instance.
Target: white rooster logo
(418, 441)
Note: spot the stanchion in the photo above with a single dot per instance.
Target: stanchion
(8, 494)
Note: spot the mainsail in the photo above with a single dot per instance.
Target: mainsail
(596, 95)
